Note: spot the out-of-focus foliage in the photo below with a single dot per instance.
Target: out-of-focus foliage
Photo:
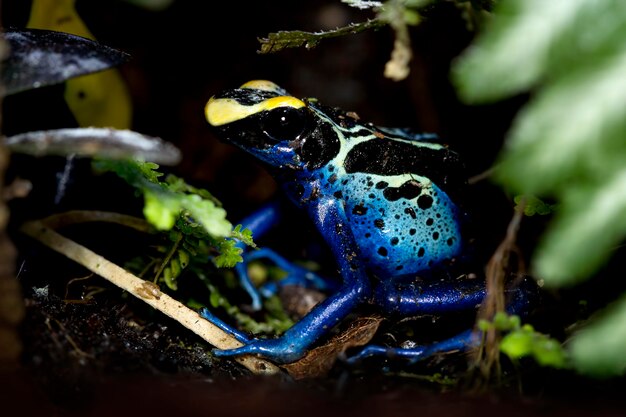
(522, 340)
(164, 203)
(532, 205)
(99, 99)
(568, 142)
(196, 223)
(599, 349)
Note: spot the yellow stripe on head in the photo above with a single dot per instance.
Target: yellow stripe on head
(264, 85)
(220, 111)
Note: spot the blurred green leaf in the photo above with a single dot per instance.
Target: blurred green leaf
(589, 224)
(568, 142)
(600, 349)
(165, 201)
(534, 41)
(533, 205)
(525, 341)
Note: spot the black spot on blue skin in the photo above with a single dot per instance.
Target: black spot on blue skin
(381, 185)
(399, 267)
(368, 234)
(394, 241)
(410, 212)
(371, 196)
(430, 221)
(344, 182)
(331, 168)
(332, 179)
(338, 194)
(359, 210)
(380, 223)
(450, 241)
(397, 216)
(421, 252)
(382, 251)
(412, 232)
(424, 201)
(408, 190)
(436, 235)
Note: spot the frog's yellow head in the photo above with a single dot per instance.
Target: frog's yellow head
(279, 129)
(250, 99)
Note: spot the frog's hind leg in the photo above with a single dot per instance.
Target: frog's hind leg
(440, 298)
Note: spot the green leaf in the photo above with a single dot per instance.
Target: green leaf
(205, 212)
(525, 341)
(533, 205)
(166, 201)
(159, 214)
(230, 254)
(590, 224)
(573, 130)
(244, 235)
(534, 41)
(568, 142)
(600, 349)
(549, 352)
(517, 344)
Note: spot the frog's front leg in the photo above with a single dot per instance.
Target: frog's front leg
(329, 218)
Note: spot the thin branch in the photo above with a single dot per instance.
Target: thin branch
(277, 41)
(498, 268)
(60, 220)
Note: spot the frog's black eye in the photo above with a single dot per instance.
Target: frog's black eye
(284, 123)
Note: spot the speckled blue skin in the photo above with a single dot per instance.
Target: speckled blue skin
(380, 199)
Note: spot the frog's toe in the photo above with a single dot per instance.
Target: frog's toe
(277, 350)
(206, 314)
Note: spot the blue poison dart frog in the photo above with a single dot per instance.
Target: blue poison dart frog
(383, 199)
